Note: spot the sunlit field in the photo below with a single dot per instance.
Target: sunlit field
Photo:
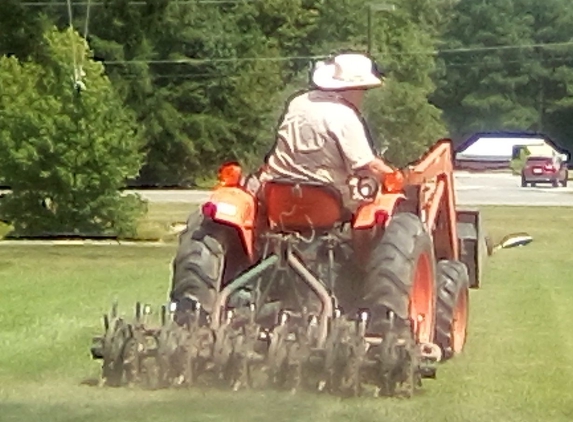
(518, 364)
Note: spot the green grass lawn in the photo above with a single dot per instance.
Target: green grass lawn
(156, 225)
(518, 364)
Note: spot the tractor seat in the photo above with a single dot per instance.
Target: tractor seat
(303, 206)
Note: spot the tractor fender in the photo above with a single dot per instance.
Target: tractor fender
(234, 207)
(367, 215)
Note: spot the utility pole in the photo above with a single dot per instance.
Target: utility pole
(376, 7)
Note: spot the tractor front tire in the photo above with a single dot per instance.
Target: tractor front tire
(401, 275)
(453, 307)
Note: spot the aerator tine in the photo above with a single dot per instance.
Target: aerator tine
(163, 315)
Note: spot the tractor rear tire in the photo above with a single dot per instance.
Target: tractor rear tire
(208, 255)
(401, 275)
(453, 307)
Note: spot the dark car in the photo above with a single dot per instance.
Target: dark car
(551, 170)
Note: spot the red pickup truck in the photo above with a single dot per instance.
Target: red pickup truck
(544, 170)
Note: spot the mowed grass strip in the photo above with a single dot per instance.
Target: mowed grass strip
(517, 366)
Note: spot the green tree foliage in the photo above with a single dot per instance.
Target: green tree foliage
(400, 114)
(506, 76)
(124, 36)
(65, 154)
(206, 81)
(197, 105)
(21, 32)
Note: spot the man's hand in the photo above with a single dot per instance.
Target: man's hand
(379, 168)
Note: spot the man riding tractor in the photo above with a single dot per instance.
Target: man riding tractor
(321, 138)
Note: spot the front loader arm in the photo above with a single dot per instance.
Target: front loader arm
(433, 179)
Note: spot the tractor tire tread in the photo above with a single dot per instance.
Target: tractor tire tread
(452, 279)
(389, 272)
(198, 264)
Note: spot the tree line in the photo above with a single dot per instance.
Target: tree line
(163, 91)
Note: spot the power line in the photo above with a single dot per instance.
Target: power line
(212, 76)
(217, 60)
(321, 57)
(133, 3)
(502, 63)
(484, 48)
(505, 47)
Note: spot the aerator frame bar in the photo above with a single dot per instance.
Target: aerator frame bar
(330, 345)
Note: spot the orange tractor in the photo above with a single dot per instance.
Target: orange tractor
(287, 288)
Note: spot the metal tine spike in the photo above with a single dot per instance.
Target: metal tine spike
(229, 314)
(363, 321)
(312, 324)
(337, 313)
(138, 311)
(283, 318)
(114, 307)
(106, 322)
(197, 314)
(163, 315)
(253, 313)
(147, 311)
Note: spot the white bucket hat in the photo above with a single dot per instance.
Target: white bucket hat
(346, 71)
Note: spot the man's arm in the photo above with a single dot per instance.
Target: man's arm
(377, 167)
(355, 146)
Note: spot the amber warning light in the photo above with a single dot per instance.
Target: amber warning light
(393, 182)
(230, 175)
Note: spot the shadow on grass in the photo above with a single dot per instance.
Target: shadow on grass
(97, 413)
(179, 406)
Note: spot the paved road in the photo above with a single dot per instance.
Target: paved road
(505, 189)
(472, 189)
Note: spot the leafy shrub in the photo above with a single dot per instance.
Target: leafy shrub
(65, 153)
